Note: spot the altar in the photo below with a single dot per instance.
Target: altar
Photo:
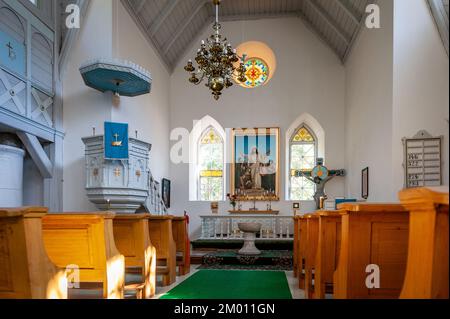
(222, 227)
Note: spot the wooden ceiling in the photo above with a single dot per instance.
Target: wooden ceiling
(172, 25)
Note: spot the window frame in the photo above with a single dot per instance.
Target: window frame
(316, 156)
(198, 170)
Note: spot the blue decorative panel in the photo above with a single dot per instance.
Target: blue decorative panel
(12, 53)
(116, 141)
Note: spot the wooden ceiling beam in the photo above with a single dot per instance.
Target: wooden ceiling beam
(140, 6)
(329, 20)
(352, 14)
(321, 37)
(166, 11)
(200, 5)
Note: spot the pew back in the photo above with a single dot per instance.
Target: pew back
(86, 241)
(181, 238)
(302, 244)
(295, 253)
(427, 267)
(161, 236)
(312, 240)
(327, 251)
(25, 269)
(372, 234)
(132, 239)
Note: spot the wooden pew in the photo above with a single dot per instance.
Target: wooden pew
(312, 240)
(301, 251)
(86, 241)
(327, 251)
(372, 234)
(160, 229)
(132, 239)
(296, 243)
(427, 267)
(26, 272)
(183, 246)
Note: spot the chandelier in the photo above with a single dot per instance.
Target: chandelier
(216, 61)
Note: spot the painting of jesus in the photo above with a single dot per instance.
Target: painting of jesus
(255, 166)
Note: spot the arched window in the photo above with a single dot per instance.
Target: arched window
(210, 166)
(302, 157)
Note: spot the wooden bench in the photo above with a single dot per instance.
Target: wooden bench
(86, 241)
(132, 239)
(301, 251)
(427, 267)
(26, 272)
(327, 251)
(296, 242)
(372, 234)
(183, 246)
(160, 230)
(312, 240)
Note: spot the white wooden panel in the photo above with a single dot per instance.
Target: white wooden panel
(12, 24)
(42, 61)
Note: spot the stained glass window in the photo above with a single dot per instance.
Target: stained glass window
(210, 162)
(257, 72)
(303, 157)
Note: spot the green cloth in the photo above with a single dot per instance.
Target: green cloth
(232, 284)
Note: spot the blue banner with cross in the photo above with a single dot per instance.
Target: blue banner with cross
(116, 141)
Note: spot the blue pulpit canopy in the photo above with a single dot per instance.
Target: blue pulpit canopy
(118, 76)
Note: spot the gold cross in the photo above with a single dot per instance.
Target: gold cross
(117, 172)
(116, 142)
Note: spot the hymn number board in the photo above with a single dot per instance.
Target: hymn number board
(423, 161)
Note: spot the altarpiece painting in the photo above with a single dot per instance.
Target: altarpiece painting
(255, 164)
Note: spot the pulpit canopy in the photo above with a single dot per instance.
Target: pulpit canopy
(121, 77)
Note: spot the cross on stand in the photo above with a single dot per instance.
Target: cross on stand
(319, 175)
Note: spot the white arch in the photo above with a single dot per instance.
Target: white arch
(318, 131)
(199, 128)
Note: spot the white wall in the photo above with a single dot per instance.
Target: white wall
(83, 107)
(368, 111)
(396, 85)
(421, 81)
(309, 78)
(149, 113)
(110, 32)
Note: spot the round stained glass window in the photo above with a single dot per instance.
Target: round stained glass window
(257, 72)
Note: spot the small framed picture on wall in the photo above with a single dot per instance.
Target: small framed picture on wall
(365, 183)
(166, 185)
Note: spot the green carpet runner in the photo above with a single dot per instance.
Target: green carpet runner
(232, 284)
